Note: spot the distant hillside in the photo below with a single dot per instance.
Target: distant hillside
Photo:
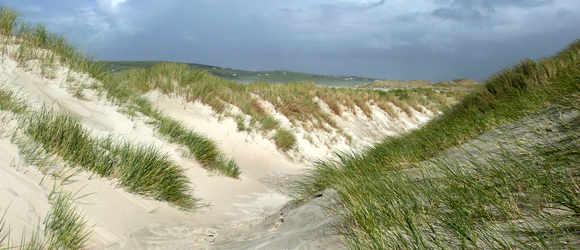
(243, 76)
(461, 84)
(285, 76)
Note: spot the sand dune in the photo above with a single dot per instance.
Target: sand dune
(246, 213)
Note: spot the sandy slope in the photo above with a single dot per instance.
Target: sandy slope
(22, 199)
(243, 214)
(305, 226)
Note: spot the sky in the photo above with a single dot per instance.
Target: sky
(432, 40)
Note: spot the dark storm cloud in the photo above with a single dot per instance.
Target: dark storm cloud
(469, 10)
(339, 9)
(431, 40)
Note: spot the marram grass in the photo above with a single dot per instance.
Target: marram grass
(140, 169)
(8, 20)
(524, 197)
(4, 233)
(203, 149)
(37, 43)
(65, 226)
(518, 195)
(299, 102)
(284, 139)
(10, 102)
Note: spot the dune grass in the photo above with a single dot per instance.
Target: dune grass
(391, 201)
(299, 102)
(284, 139)
(10, 102)
(140, 169)
(4, 235)
(178, 79)
(203, 149)
(35, 44)
(64, 227)
(521, 195)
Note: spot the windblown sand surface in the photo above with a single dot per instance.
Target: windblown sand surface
(249, 213)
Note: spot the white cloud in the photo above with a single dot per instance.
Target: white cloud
(110, 5)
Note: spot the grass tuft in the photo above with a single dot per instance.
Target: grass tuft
(3, 234)
(65, 225)
(8, 20)
(140, 169)
(203, 149)
(284, 139)
(10, 102)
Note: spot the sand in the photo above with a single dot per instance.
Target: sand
(252, 212)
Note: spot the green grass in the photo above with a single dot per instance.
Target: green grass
(34, 43)
(140, 169)
(10, 102)
(284, 139)
(178, 79)
(520, 196)
(65, 225)
(391, 201)
(203, 149)
(8, 20)
(4, 236)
